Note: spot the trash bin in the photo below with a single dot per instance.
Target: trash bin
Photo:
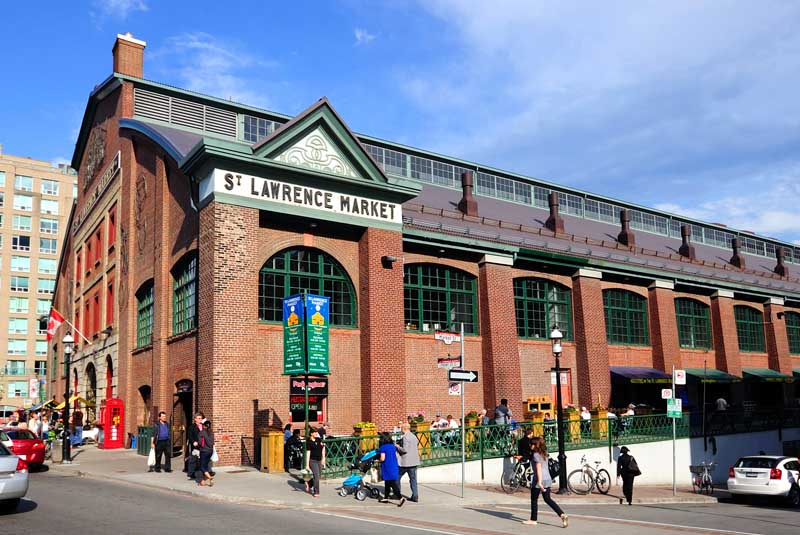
(133, 442)
(56, 451)
(272, 451)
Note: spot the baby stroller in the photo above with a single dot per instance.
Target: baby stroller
(355, 483)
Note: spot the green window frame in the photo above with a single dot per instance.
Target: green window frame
(626, 318)
(792, 320)
(144, 315)
(539, 305)
(439, 295)
(694, 326)
(304, 269)
(184, 295)
(749, 329)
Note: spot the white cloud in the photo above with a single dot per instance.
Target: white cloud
(118, 9)
(363, 37)
(207, 64)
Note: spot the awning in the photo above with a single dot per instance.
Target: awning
(41, 405)
(765, 374)
(72, 400)
(712, 375)
(639, 375)
(796, 373)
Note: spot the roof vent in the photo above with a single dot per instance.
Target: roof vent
(626, 236)
(737, 259)
(467, 205)
(780, 268)
(555, 222)
(687, 249)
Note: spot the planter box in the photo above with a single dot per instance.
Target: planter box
(369, 441)
(599, 423)
(422, 430)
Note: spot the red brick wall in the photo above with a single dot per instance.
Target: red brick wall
(641, 356)
(695, 358)
(777, 340)
(754, 360)
(535, 360)
(592, 351)
(663, 329)
(726, 343)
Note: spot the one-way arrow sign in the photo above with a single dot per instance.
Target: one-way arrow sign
(466, 376)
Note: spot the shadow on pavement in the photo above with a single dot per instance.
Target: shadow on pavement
(25, 506)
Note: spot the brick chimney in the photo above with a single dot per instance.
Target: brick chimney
(555, 222)
(737, 259)
(626, 236)
(687, 249)
(128, 55)
(467, 205)
(780, 268)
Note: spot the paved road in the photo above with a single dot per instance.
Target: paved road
(69, 504)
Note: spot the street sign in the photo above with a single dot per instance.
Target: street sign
(293, 335)
(446, 336)
(448, 363)
(666, 393)
(454, 389)
(467, 376)
(680, 377)
(674, 409)
(317, 321)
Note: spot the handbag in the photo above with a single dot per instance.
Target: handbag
(554, 467)
(214, 456)
(633, 468)
(151, 457)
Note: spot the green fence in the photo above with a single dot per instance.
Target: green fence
(492, 441)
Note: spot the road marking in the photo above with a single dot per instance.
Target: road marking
(394, 524)
(645, 523)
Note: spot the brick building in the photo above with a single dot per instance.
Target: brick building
(209, 212)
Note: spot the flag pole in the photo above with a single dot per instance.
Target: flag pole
(65, 320)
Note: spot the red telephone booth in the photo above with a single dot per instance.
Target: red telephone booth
(112, 420)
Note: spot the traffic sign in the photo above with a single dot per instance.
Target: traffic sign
(680, 377)
(674, 409)
(467, 376)
(454, 389)
(666, 393)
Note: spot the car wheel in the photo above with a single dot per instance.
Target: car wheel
(9, 506)
(794, 496)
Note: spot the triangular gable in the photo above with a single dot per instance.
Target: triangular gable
(319, 140)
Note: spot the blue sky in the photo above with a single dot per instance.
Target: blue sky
(687, 106)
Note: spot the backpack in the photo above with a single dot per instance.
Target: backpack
(633, 467)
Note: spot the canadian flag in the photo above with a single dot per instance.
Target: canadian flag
(53, 323)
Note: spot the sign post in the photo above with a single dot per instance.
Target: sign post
(674, 411)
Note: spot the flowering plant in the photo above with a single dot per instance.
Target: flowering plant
(418, 417)
(364, 425)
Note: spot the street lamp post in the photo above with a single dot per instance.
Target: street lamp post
(555, 337)
(66, 456)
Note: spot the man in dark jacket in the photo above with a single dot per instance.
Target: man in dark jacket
(161, 440)
(193, 443)
(627, 469)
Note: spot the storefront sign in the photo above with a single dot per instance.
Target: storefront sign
(317, 386)
(317, 320)
(91, 199)
(275, 191)
(293, 335)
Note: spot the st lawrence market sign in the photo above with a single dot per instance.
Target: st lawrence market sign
(264, 192)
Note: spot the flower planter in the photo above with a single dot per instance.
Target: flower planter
(599, 423)
(369, 440)
(422, 430)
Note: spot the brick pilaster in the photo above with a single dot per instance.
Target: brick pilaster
(162, 297)
(726, 341)
(501, 368)
(663, 326)
(777, 339)
(380, 293)
(592, 360)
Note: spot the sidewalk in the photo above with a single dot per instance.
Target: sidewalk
(245, 485)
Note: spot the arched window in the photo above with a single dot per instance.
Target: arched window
(694, 327)
(436, 297)
(793, 332)
(184, 294)
(303, 269)
(626, 317)
(144, 315)
(749, 329)
(540, 304)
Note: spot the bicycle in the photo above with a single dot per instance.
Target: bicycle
(520, 475)
(585, 479)
(702, 481)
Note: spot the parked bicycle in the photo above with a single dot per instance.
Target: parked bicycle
(520, 475)
(585, 479)
(701, 477)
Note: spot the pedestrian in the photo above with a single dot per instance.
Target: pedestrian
(627, 469)
(287, 433)
(206, 444)
(315, 460)
(502, 414)
(409, 459)
(77, 428)
(191, 462)
(483, 419)
(161, 441)
(721, 404)
(390, 470)
(586, 422)
(541, 484)
(525, 446)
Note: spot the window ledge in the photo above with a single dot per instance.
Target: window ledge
(142, 349)
(180, 336)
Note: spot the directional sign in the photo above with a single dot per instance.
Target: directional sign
(674, 408)
(467, 376)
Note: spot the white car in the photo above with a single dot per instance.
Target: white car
(765, 475)
(13, 480)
